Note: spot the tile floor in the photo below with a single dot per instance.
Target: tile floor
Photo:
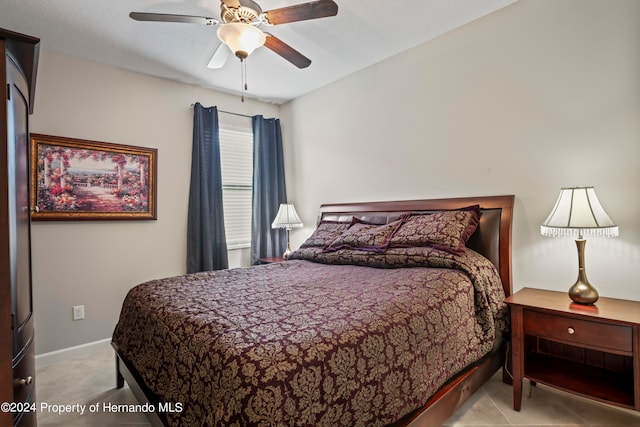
(90, 380)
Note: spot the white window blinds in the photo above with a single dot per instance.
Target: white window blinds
(236, 158)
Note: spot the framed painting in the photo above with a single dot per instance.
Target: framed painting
(74, 179)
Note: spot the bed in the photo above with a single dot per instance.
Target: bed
(391, 313)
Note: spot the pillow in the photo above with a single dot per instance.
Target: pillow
(325, 233)
(365, 236)
(447, 230)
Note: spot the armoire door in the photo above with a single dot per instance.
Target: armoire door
(18, 137)
(20, 238)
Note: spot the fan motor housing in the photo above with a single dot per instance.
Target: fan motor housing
(243, 14)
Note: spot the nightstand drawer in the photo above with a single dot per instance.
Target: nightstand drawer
(596, 335)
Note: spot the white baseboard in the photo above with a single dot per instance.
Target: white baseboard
(71, 352)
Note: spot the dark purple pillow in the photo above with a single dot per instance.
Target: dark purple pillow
(365, 236)
(325, 233)
(447, 230)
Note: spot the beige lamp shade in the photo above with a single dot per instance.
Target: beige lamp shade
(578, 212)
(287, 217)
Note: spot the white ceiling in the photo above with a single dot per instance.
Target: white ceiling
(364, 32)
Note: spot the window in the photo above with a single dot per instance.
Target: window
(236, 158)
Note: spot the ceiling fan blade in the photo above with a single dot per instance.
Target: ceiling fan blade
(219, 57)
(302, 12)
(286, 51)
(167, 17)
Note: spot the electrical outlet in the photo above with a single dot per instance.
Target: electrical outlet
(78, 312)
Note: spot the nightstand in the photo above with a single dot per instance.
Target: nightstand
(271, 260)
(588, 350)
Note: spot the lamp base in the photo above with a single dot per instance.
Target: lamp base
(287, 252)
(582, 292)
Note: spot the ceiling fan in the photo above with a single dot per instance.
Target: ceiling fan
(239, 32)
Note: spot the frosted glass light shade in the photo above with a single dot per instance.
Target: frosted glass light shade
(241, 38)
(578, 212)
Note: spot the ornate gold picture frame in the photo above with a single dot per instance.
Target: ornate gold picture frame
(74, 179)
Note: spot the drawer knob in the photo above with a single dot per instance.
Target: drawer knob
(571, 331)
(25, 381)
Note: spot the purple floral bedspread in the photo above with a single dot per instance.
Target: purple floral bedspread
(311, 343)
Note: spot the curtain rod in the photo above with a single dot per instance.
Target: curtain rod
(228, 112)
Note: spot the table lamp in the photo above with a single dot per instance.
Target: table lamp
(287, 218)
(578, 212)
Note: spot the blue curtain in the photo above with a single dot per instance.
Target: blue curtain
(206, 242)
(269, 189)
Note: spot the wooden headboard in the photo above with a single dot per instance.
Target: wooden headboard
(491, 239)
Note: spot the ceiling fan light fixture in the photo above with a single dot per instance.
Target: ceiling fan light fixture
(241, 38)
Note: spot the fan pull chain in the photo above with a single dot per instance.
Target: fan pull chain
(243, 78)
(242, 83)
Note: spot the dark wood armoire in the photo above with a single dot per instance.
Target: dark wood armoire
(18, 67)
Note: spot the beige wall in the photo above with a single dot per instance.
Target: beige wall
(539, 95)
(96, 263)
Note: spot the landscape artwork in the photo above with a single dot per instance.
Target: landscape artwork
(73, 179)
